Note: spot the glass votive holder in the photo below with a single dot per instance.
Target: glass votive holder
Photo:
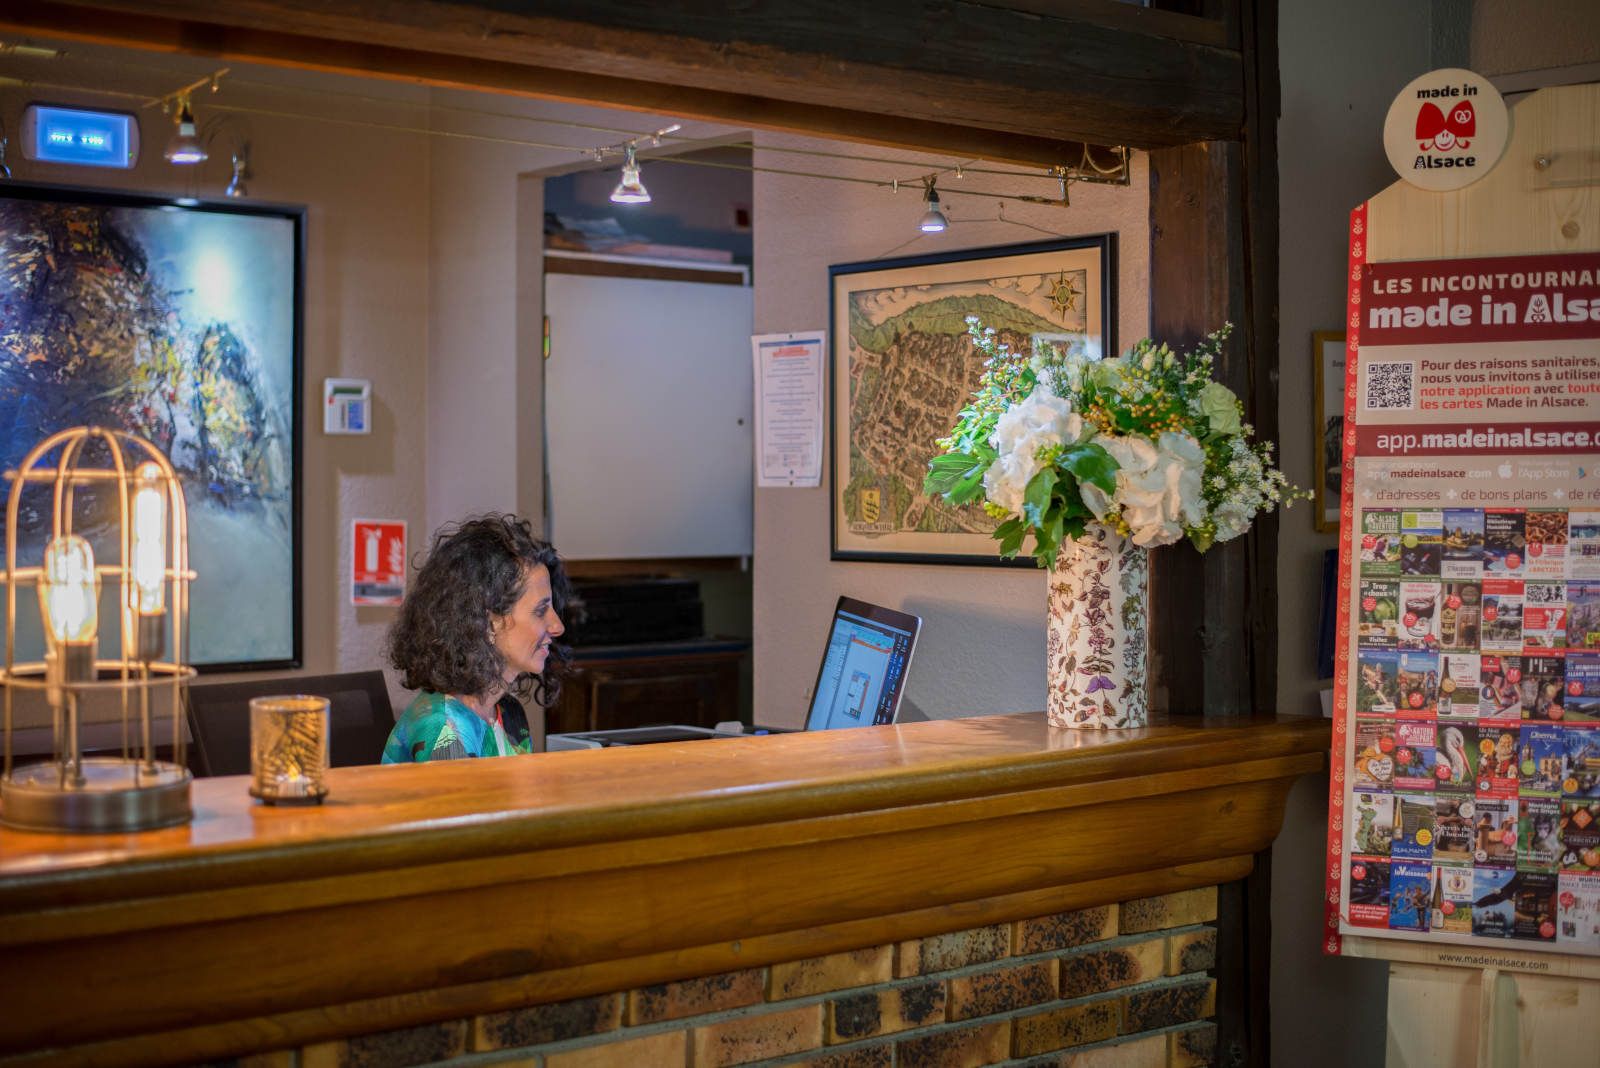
(289, 749)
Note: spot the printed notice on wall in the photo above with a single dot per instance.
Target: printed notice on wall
(1466, 806)
(789, 376)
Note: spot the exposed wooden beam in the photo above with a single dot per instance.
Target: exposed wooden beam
(951, 73)
(1214, 257)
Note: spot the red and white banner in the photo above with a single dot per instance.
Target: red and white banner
(1464, 802)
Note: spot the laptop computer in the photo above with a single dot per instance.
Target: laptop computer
(863, 671)
(859, 682)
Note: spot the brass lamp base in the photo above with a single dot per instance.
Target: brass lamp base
(116, 795)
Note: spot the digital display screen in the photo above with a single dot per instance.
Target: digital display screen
(863, 669)
(85, 138)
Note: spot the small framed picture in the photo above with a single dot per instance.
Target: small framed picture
(1328, 357)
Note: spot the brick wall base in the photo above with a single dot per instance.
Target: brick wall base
(1125, 985)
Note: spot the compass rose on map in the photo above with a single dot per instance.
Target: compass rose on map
(1063, 295)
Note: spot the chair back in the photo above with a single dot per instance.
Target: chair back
(359, 714)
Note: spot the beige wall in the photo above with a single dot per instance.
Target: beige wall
(366, 278)
(982, 645)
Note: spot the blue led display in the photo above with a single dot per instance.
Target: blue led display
(87, 138)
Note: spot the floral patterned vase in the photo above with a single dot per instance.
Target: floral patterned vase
(1098, 641)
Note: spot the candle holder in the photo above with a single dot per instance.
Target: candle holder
(289, 749)
(112, 494)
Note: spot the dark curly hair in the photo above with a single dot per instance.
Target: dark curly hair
(475, 570)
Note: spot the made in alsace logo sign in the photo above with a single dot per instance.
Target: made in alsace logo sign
(1446, 129)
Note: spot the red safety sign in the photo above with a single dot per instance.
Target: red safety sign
(378, 561)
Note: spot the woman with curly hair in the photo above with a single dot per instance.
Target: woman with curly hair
(478, 624)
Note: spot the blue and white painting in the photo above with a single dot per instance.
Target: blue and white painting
(178, 325)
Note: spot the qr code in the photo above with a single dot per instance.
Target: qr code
(1391, 386)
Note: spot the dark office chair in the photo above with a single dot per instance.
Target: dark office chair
(360, 718)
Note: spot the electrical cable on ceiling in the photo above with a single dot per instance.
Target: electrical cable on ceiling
(1086, 170)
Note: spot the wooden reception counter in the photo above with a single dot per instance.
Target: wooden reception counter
(443, 891)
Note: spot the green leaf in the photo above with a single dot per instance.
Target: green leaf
(970, 486)
(1092, 464)
(1037, 496)
(948, 469)
(1011, 533)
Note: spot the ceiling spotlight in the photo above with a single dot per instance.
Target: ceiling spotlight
(185, 147)
(241, 164)
(630, 190)
(933, 220)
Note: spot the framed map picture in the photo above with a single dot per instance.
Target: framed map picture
(1327, 354)
(903, 367)
(180, 322)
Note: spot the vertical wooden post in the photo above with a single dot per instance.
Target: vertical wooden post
(1213, 258)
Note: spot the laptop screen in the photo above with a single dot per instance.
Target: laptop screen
(864, 664)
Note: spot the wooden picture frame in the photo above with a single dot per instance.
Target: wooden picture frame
(902, 368)
(1328, 357)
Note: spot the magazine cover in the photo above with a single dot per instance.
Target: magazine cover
(1493, 910)
(1502, 616)
(1495, 832)
(1454, 828)
(1372, 824)
(1463, 544)
(1414, 757)
(1419, 615)
(1504, 542)
(1456, 906)
(1578, 911)
(1544, 615)
(1374, 766)
(1538, 834)
(1583, 546)
(1580, 837)
(1421, 543)
(1380, 544)
(1410, 895)
(1458, 686)
(1534, 900)
(1377, 688)
(1580, 763)
(1456, 757)
(1413, 827)
(1583, 615)
(1498, 774)
(1547, 544)
(1583, 688)
(1540, 762)
(1369, 892)
(1544, 686)
(1460, 618)
(1499, 697)
(1417, 683)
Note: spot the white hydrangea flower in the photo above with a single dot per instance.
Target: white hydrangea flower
(1039, 421)
(1159, 487)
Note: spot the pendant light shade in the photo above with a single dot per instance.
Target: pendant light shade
(630, 190)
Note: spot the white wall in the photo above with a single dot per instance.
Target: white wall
(982, 646)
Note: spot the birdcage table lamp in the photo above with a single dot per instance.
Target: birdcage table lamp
(113, 496)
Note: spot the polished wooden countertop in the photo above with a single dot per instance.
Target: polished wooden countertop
(429, 891)
(384, 815)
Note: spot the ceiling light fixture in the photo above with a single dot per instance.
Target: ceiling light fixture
(185, 148)
(630, 190)
(933, 220)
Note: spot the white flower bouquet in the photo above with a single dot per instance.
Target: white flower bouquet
(1144, 443)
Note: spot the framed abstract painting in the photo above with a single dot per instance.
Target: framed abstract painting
(179, 321)
(903, 367)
